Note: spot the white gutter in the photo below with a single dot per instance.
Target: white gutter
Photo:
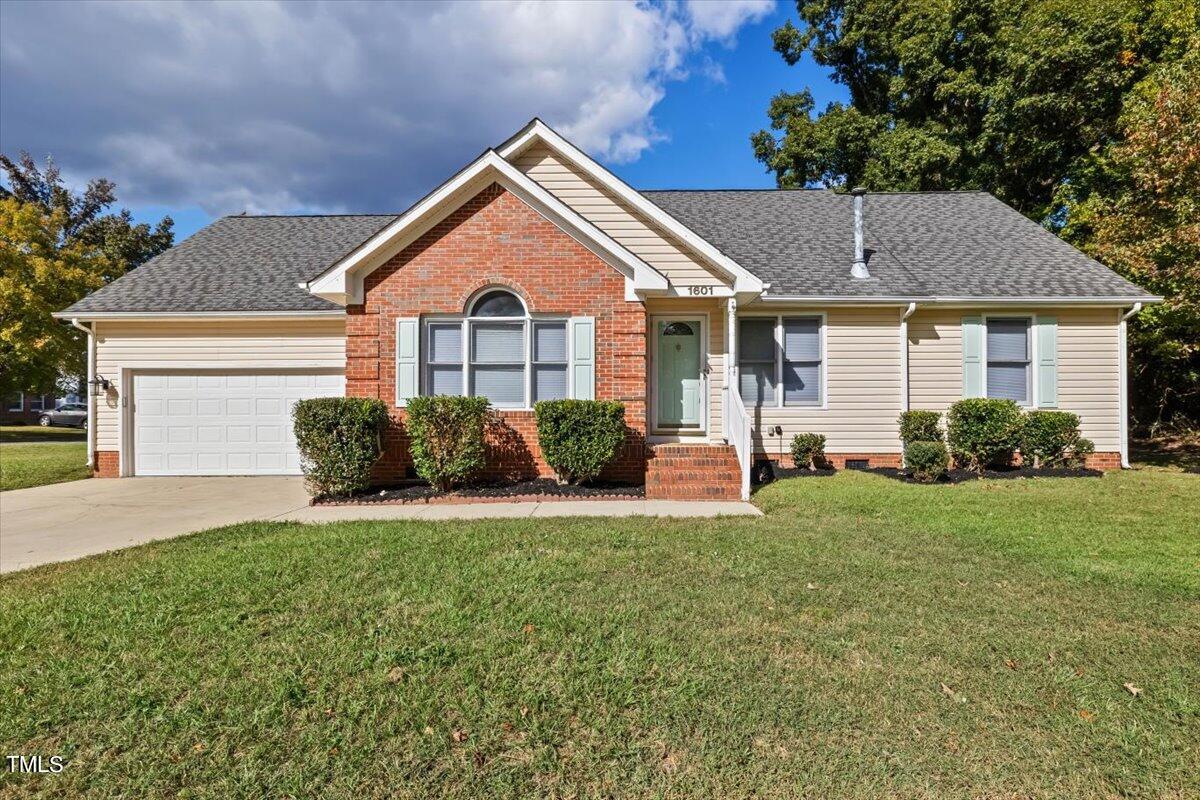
(845, 300)
(91, 391)
(210, 315)
(908, 312)
(1123, 382)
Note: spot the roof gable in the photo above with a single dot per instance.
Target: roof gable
(343, 282)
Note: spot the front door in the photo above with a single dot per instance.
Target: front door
(680, 380)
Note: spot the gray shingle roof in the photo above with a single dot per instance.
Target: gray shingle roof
(239, 264)
(927, 244)
(935, 244)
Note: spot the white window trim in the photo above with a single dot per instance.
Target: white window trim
(38, 403)
(1031, 342)
(465, 321)
(20, 406)
(822, 403)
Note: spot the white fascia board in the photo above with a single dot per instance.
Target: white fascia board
(343, 282)
(154, 316)
(744, 280)
(958, 301)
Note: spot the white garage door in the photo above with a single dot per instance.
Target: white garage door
(235, 424)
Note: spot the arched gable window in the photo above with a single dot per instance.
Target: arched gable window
(497, 350)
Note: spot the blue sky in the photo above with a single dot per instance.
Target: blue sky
(269, 107)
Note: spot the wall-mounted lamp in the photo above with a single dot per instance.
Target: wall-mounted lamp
(100, 383)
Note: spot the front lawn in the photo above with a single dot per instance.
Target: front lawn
(38, 463)
(866, 638)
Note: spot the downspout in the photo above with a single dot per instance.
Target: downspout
(1123, 382)
(908, 312)
(91, 391)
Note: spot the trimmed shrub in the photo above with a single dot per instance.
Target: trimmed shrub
(579, 438)
(1049, 438)
(926, 461)
(1079, 453)
(807, 448)
(447, 438)
(339, 439)
(982, 431)
(920, 426)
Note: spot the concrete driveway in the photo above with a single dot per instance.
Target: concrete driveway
(70, 520)
(81, 518)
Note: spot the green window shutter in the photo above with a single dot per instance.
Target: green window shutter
(972, 344)
(1047, 362)
(407, 359)
(583, 358)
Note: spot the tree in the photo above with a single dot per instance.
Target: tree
(41, 272)
(58, 245)
(1137, 209)
(127, 245)
(999, 95)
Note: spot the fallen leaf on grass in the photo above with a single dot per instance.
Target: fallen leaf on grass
(528, 628)
(1010, 664)
(1133, 690)
(1086, 715)
(459, 735)
(810, 586)
(198, 747)
(946, 690)
(395, 675)
(524, 712)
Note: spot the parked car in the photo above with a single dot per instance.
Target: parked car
(68, 415)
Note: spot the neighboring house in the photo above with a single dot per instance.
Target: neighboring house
(726, 321)
(24, 408)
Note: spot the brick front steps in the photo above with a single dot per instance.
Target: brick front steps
(692, 472)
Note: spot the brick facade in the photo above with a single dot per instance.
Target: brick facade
(496, 239)
(106, 464)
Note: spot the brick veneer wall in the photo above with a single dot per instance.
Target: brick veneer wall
(106, 464)
(496, 239)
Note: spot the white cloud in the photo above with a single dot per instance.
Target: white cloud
(272, 106)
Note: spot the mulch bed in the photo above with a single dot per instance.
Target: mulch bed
(953, 476)
(966, 476)
(540, 490)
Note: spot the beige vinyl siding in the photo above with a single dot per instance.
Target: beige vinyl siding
(618, 219)
(862, 391)
(1088, 378)
(216, 345)
(714, 358)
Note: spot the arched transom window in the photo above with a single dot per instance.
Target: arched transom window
(497, 350)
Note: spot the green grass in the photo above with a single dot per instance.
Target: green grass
(39, 463)
(797, 655)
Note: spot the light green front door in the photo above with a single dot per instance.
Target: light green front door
(679, 377)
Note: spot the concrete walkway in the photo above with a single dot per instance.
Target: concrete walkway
(65, 521)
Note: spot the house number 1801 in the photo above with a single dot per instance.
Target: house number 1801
(700, 290)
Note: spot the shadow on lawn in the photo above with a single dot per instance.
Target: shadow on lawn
(1177, 450)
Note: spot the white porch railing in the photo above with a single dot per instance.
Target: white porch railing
(737, 431)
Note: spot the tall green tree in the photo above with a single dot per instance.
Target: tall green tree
(1082, 115)
(1002, 95)
(57, 245)
(1136, 207)
(41, 271)
(87, 217)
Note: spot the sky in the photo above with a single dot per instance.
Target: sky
(202, 110)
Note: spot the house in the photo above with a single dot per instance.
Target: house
(25, 408)
(726, 321)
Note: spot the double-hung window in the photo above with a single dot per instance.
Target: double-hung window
(1008, 359)
(37, 403)
(16, 402)
(497, 351)
(781, 351)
